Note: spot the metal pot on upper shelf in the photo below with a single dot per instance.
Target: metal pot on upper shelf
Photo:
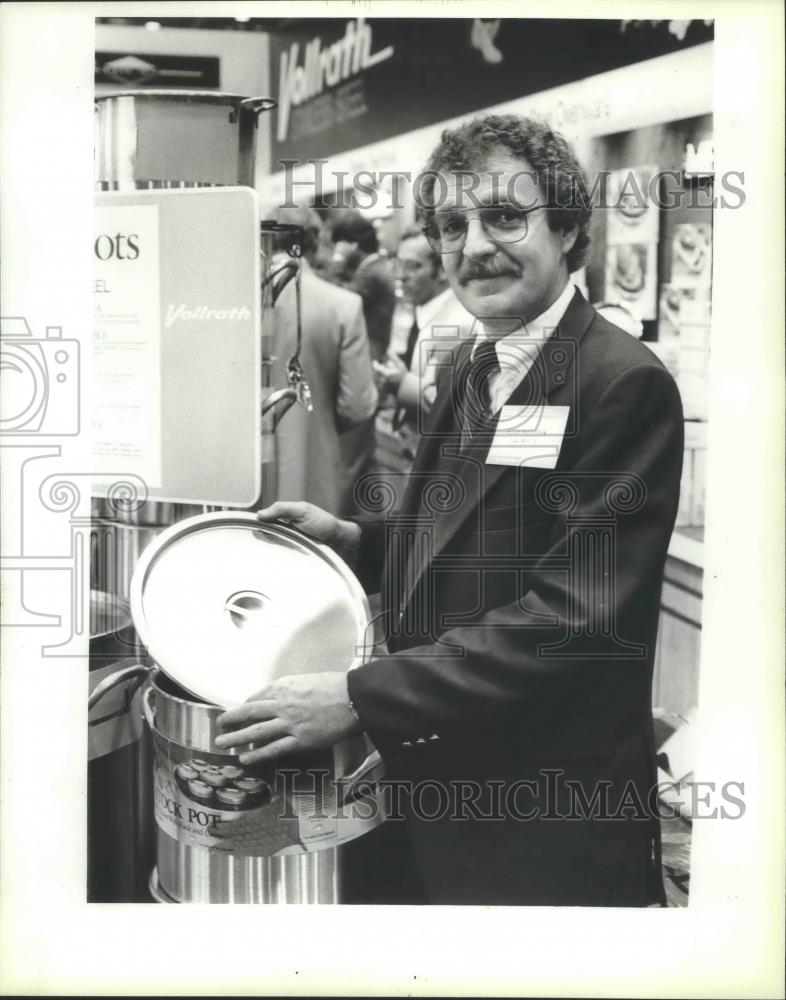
(176, 138)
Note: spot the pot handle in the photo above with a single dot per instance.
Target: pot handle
(110, 682)
(147, 707)
(288, 396)
(258, 104)
(280, 277)
(350, 782)
(251, 106)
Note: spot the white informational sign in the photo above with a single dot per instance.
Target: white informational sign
(177, 364)
(126, 390)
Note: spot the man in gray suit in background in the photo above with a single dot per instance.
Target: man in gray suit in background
(312, 460)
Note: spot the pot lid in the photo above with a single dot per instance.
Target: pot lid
(226, 604)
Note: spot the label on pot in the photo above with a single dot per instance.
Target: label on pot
(211, 800)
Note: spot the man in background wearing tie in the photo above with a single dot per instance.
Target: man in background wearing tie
(439, 323)
(521, 567)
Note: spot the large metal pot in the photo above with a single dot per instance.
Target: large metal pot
(245, 835)
(119, 798)
(224, 605)
(116, 546)
(112, 633)
(176, 138)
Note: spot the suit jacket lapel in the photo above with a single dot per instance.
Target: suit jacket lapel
(441, 434)
(554, 370)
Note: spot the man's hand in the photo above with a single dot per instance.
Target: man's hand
(388, 374)
(342, 536)
(290, 715)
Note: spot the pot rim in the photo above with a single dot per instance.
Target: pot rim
(257, 104)
(157, 672)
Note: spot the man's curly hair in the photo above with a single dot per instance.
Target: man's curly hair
(548, 153)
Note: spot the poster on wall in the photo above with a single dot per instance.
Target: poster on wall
(681, 306)
(691, 256)
(631, 277)
(632, 200)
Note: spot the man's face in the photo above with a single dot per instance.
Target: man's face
(504, 283)
(343, 249)
(418, 278)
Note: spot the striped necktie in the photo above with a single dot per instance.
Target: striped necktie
(477, 395)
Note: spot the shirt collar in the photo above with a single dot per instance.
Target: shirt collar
(518, 343)
(426, 312)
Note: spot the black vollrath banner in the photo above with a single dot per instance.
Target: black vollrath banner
(156, 70)
(342, 84)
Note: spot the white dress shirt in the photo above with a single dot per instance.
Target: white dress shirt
(442, 324)
(518, 351)
(425, 313)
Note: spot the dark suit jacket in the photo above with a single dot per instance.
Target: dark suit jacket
(522, 632)
(374, 284)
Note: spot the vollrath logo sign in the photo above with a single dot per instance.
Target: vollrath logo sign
(174, 313)
(324, 67)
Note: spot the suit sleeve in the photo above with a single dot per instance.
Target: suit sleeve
(379, 299)
(357, 395)
(635, 429)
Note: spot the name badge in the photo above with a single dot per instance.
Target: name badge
(529, 436)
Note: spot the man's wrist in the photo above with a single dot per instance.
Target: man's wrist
(347, 541)
(351, 705)
(353, 710)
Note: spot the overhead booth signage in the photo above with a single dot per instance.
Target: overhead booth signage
(176, 389)
(340, 84)
(148, 69)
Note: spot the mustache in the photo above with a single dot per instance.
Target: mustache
(471, 270)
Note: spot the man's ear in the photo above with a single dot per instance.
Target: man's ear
(569, 237)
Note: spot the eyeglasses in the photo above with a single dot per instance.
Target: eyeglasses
(447, 231)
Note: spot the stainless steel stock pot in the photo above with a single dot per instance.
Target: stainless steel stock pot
(224, 605)
(176, 138)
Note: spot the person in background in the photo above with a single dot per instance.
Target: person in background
(312, 459)
(617, 313)
(359, 266)
(439, 323)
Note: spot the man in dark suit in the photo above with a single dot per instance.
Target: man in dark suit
(520, 566)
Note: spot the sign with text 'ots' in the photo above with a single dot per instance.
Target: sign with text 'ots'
(176, 387)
